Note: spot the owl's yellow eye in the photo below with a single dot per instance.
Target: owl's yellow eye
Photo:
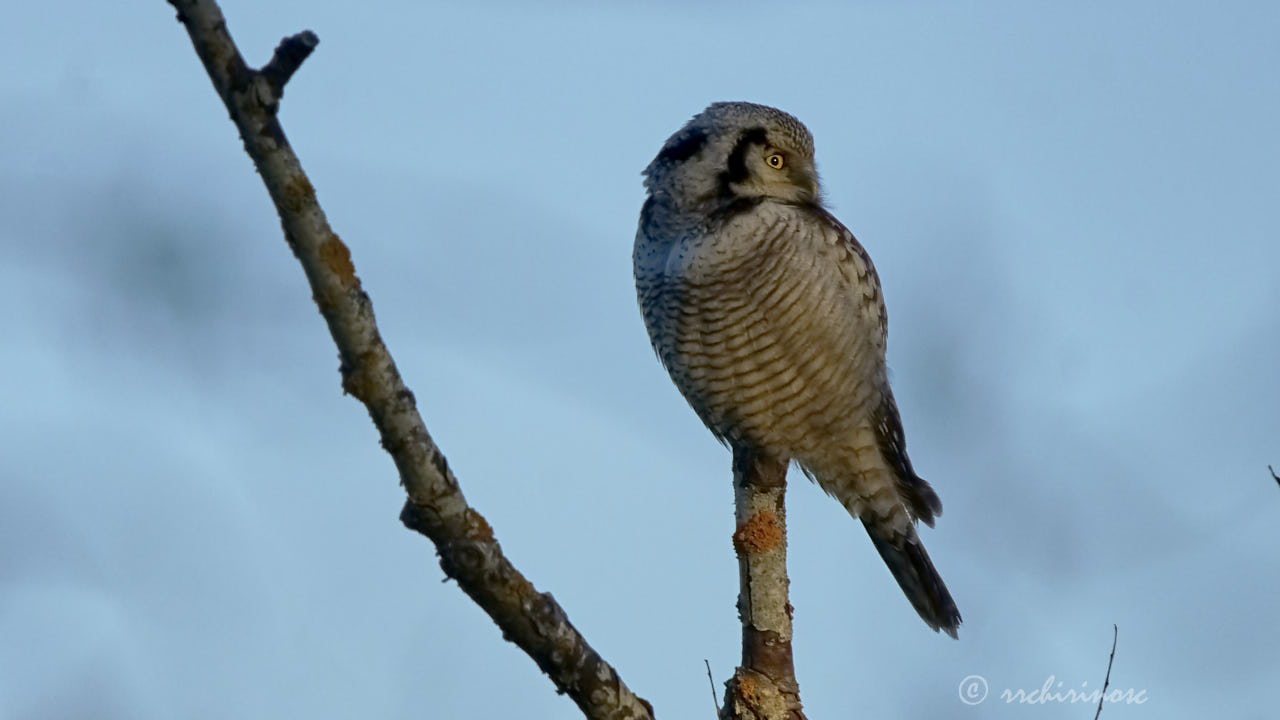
(775, 161)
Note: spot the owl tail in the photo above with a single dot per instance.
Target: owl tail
(915, 573)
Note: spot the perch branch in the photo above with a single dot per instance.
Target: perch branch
(764, 687)
(435, 507)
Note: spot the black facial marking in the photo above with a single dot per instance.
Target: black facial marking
(684, 148)
(737, 165)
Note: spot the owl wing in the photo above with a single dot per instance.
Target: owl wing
(919, 498)
(921, 501)
(858, 268)
(898, 545)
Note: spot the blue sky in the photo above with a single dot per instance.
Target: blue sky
(1072, 211)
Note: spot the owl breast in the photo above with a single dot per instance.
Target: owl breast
(769, 324)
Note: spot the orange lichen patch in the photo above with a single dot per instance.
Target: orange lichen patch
(478, 526)
(521, 586)
(747, 689)
(760, 533)
(337, 258)
(298, 193)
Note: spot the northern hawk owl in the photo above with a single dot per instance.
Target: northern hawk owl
(768, 315)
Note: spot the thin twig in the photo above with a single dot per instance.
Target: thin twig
(1115, 635)
(435, 507)
(714, 700)
(1273, 475)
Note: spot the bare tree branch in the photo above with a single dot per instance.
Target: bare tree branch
(714, 700)
(1115, 635)
(1273, 475)
(435, 506)
(764, 687)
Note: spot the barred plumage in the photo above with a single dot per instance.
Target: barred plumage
(768, 315)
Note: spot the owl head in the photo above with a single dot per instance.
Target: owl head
(735, 151)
